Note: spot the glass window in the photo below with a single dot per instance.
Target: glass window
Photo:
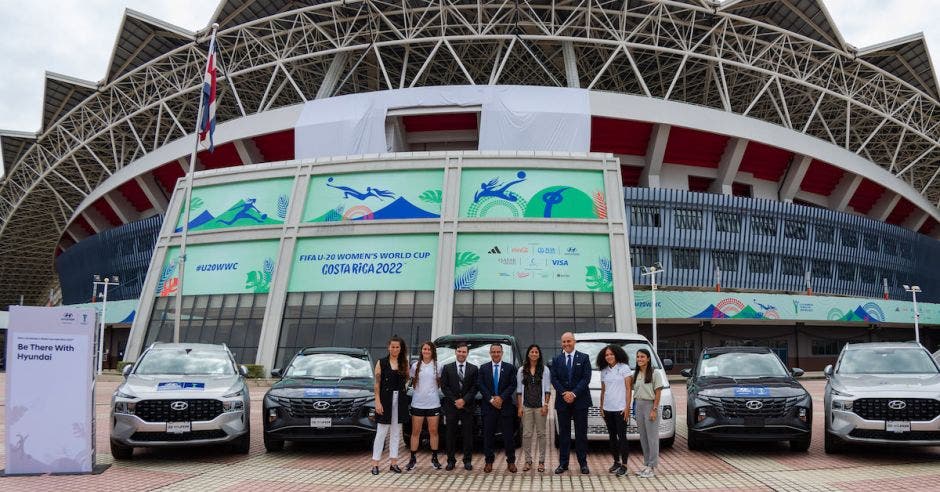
(884, 360)
(760, 263)
(870, 241)
(793, 229)
(727, 261)
(741, 364)
(791, 265)
(763, 226)
(681, 351)
(867, 275)
(905, 249)
(826, 347)
(329, 366)
(849, 238)
(643, 255)
(686, 259)
(825, 234)
(183, 362)
(688, 219)
(846, 272)
(821, 269)
(727, 222)
(644, 216)
(890, 246)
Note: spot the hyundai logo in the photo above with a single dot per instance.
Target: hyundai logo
(179, 405)
(897, 404)
(321, 405)
(754, 405)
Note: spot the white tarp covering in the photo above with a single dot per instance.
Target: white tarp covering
(49, 390)
(512, 118)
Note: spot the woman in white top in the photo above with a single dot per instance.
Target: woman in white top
(616, 379)
(425, 402)
(533, 391)
(647, 388)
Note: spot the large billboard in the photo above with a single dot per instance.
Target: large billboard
(414, 194)
(243, 267)
(399, 262)
(556, 262)
(532, 193)
(240, 204)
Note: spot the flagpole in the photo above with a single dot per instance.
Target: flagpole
(187, 197)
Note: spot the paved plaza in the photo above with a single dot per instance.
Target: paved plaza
(338, 466)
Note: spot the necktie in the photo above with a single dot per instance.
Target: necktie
(460, 372)
(569, 367)
(496, 377)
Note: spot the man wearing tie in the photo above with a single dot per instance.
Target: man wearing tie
(571, 375)
(498, 388)
(459, 385)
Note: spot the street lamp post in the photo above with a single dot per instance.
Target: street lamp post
(652, 271)
(913, 289)
(112, 280)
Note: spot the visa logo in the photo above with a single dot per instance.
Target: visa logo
(560, 262)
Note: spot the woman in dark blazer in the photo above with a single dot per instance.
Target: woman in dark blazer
(391, 404)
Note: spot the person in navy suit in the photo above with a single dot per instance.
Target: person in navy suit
(571, 374)
(498, 408)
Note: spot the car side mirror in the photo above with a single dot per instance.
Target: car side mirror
(243, 370)
(668, 364)
(275, 373)
(686, 373)
(127, 370)
(828, 371)
(797, 372)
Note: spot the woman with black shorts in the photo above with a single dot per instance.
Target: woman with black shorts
(425, 402)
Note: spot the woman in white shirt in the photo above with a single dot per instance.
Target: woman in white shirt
(616, 379)
(425, 402)
(647, 389)
(533, 391)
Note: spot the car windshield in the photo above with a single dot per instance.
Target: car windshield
(479, 352)
(741, 365)
(185, 362)
(886, 361)
(591, 348)
(328, 366)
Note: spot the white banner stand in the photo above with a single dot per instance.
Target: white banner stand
(50, 391)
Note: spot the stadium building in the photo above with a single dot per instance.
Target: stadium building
(436, 167)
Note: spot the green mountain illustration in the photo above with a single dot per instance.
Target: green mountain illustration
(241, 214)
(747, 313)
(332, 215)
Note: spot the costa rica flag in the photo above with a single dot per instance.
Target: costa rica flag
(207, 124)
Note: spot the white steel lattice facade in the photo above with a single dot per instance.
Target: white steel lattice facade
(779, 62)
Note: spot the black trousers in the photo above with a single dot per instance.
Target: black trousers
(505, 422)
(565, 414)
(617, 429)
(465, 419)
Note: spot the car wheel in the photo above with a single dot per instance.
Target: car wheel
(668, 442)
(242, 444)
(273, 445)
(832, 443)
(800, 445)
(120, 451)
(695, 442)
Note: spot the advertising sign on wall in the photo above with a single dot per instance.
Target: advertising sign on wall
(49, 390)
(241, 204)
(558, 262)
(401, 262)
(532, 193)
(415, 194)
(223, 268)
(720, 305)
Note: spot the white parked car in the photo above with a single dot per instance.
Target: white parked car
(591, 344)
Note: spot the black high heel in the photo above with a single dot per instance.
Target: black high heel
(394, 469)
(375, 470)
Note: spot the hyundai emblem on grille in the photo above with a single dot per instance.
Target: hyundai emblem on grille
(754, 405)
(179, 405)
(321, 405)
(897, 404)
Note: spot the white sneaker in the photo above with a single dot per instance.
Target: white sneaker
(642, 471)
(649, 472)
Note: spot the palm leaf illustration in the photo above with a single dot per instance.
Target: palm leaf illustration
(465, 258)
(466, 280)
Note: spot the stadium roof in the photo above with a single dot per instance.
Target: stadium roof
(142, 38)
(906, 57)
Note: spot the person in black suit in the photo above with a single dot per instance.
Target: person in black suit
(498, 387)
(460, 386)
(571, 374)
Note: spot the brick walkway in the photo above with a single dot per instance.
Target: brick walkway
(345, 466)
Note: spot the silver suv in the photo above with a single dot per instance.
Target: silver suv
(181, 394)
(882, 393)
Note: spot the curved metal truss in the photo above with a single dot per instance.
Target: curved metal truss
(662, 49)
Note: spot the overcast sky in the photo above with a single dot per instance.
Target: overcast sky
(75, 37)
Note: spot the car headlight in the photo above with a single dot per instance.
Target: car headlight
(233, 406)
(124, 407)
(845, 405)
(237, 394)
(836, 392)
(667, 412)
(121, 394)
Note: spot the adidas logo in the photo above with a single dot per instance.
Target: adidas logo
(495, 251)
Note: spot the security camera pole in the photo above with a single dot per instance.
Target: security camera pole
(651, 272)
(914, 289)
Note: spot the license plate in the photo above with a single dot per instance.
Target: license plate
(321, 422)
(178, 427)
(897, 427)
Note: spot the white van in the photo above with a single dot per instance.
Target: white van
(591, 344)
